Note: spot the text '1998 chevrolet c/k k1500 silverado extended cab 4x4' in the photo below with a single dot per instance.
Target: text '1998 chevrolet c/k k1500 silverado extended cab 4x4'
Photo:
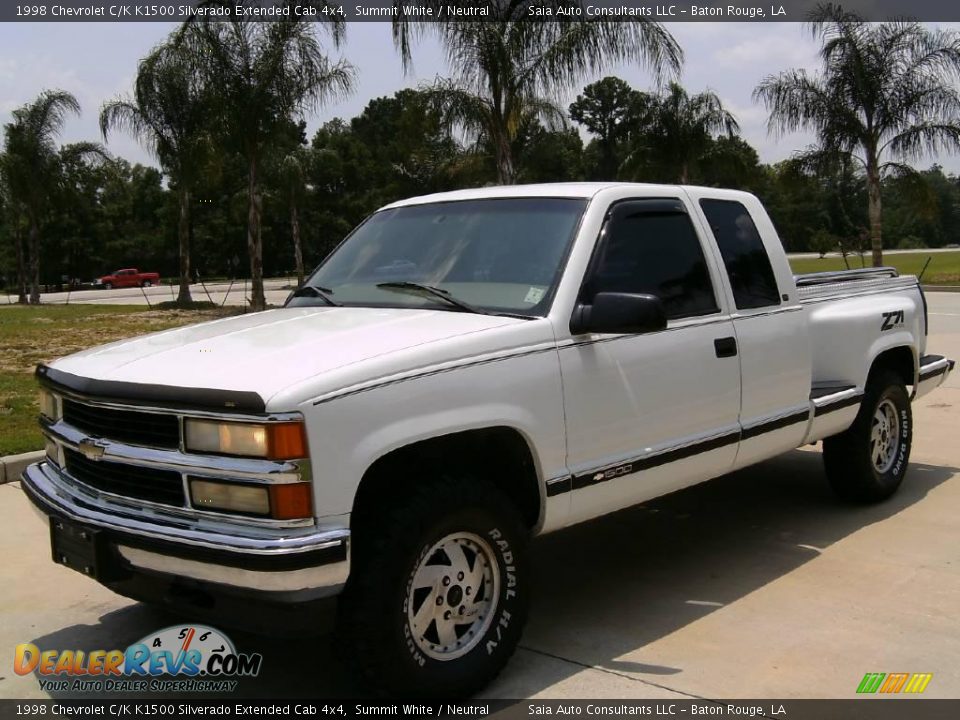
(463, 372)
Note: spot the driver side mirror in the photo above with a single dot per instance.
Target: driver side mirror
(615, 312)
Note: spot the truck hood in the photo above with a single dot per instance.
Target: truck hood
(270, 351)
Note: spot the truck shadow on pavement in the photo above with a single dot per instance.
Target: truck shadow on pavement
(602, 589)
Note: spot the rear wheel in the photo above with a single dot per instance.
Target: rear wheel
(867, 462)
(437, 599)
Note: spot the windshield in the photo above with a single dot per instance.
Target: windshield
(498, 255)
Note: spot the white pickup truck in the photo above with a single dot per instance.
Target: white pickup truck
(466, 371)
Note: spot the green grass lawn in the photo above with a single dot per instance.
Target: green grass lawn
(944, 267)
(30, 335)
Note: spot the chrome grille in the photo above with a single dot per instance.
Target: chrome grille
(128, 426)
(159, 486)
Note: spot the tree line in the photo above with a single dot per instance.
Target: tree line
(242, 191)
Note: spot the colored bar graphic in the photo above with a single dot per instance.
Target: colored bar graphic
(894, 683)
(871, 682)
(918, 682)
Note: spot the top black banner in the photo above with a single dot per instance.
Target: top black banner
(465, 10)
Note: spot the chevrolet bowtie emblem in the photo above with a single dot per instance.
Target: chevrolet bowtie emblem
(90, 449)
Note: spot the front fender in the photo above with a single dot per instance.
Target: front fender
(348, 433)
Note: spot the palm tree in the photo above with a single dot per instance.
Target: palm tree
(293, 172)
(509, 68)
(33, 165)
(677, 131)
(12, 216)
(261, 74)
(885, 96)
(169, 114)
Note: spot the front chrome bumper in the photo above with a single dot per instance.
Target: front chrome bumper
(300, 563)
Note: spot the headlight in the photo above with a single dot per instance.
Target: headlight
(49, 405)
(249, 499)
(275, 441)
(282, 502)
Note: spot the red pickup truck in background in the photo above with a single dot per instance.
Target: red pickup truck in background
(128, 277)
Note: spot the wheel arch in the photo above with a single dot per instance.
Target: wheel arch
(502, 453)
(900, 360)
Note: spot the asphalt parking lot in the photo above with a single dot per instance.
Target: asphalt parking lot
(758, 584)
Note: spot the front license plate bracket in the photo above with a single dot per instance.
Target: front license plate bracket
(79, 548)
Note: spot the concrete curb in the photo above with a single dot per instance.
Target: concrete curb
(12, 465)
(941, 288)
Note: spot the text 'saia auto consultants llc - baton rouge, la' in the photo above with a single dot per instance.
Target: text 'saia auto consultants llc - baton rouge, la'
(192, 658)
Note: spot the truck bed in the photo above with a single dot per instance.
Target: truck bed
(820, 286)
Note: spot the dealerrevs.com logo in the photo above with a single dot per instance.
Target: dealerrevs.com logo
(193, 658)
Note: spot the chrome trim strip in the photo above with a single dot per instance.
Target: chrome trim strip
(833, 398)
(815, 294)
(745, 314)
(187, 511)
(681, 324)
(839, 400)
(778, 421)
(706, 442)
(167, 527)
(326, 579)
(835, 276)
(217, 466)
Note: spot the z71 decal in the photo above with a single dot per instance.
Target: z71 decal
(891, 319)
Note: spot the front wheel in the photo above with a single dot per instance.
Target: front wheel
(436, 602)
(108, 286)
(868, 461)
(146, 284)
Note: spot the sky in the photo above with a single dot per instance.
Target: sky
(98, 61)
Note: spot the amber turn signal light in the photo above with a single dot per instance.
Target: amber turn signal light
(286, 441)
(291, 501)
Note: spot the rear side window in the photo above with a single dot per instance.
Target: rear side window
(650, 247)
(744, 256)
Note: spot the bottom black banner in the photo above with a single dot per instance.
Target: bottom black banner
(854, 709)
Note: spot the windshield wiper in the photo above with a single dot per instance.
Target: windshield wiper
(316, 291)
(434, 292)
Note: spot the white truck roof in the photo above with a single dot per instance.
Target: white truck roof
(561, 189)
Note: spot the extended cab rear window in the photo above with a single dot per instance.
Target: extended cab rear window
(744, 256)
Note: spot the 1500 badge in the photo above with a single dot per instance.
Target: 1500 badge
(891, 319)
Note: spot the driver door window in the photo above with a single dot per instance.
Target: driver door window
(650, 246)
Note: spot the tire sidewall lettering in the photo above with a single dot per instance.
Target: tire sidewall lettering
(900, 464)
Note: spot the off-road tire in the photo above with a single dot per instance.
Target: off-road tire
(374, 626)
(850, 458)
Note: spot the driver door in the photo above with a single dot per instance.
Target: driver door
(650, 413)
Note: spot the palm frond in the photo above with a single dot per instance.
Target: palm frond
(925, 138)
